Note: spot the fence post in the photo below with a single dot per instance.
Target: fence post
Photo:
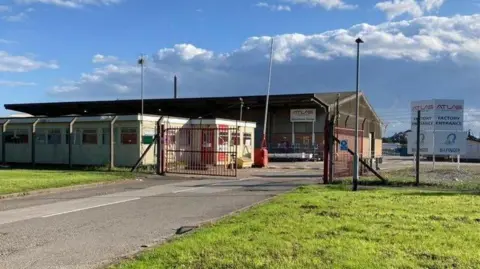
(325, 151)
(331, 145)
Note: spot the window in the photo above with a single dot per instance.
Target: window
(89, 137)
(19, 136)
(106, 136)
(235, 139)
(40, 136)
(76, 136)
(247, 139)
(54, 137)
(128, 136)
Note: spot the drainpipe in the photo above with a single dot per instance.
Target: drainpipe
(70, 141)
(4, 130)
(112, 143)
(34, 135)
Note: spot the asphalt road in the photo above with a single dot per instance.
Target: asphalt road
(92, 227)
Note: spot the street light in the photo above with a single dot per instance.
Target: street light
(355, 156)
(141, 62)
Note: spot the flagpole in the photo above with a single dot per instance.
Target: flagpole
(264, 138)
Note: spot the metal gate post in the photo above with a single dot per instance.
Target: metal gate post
(326, 143)
(331, 144)
(34, 135)
(4, 130)
(161, 152)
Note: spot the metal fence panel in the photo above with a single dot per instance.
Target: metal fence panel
(201, 151)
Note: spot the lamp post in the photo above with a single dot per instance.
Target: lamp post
(355, 156)
(141, 62)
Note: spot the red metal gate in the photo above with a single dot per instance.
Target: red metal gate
(200, 151)
(343, 160)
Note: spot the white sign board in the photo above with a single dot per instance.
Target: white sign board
(438, 114)
(303, 115)
(426, 142)
(444, 143)
(450, 143)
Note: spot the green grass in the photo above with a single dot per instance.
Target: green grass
(331, 227)
(443, 177)
(21, 181)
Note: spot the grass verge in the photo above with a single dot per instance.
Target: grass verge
(19, 181)
(443, 177)
(331, 227)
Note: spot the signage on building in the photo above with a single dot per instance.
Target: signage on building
(444, 143)
(438, 114)
(344, 145)
(303, 115)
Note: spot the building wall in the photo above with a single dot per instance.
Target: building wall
(51, 144)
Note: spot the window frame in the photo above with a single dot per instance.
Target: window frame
(127, 131)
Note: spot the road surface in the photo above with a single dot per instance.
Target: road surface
(92, 227)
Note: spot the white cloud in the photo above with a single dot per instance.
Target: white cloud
(14, 63)
(99, 58)
(423, 58)
(414, 8)
(16, 18)
(71, 3)
(10, 83)
(19, 17)
(273, 7)
(429, 5)
(327, 4)
(6, 41)
(4, 8)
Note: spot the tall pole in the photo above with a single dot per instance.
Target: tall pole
(141, 61)
(264, 138)
(355, 156)
(417, 152)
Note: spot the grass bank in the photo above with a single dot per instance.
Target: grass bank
(331, 227)
(18, 181)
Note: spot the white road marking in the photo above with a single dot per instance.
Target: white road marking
(190, 189)
(91, 207)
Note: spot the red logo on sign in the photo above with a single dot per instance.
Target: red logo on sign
(450, 107)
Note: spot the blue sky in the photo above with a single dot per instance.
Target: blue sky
(64, 50)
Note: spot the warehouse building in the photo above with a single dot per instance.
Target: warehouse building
(295, 122)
